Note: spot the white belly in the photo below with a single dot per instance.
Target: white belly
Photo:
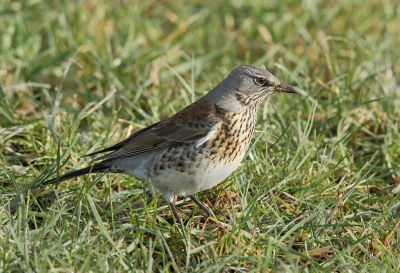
(176, 183)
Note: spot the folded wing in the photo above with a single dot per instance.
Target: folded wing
(194, 124)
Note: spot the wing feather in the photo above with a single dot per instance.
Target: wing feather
(194, 124)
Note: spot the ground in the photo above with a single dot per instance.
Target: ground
(318, 190)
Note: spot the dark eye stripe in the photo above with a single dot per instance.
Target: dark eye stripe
(268, 83)
(260, 81)
(263, 81)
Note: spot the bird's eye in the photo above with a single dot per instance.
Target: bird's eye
(260, 81)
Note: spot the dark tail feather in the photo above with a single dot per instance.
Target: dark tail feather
(97, 168)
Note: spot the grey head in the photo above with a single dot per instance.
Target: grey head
(248, 85)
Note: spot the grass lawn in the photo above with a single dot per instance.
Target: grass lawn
(318, 191)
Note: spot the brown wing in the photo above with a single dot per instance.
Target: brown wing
(123, 142)
(193, 124)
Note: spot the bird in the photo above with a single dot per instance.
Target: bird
(196, 148)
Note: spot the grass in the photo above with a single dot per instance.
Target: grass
(318, 190)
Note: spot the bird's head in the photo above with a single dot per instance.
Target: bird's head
(253, 80)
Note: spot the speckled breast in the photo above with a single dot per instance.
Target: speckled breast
(189, 169)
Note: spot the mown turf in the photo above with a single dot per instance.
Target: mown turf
(318, 190)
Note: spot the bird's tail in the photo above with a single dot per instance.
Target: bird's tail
(97, 168)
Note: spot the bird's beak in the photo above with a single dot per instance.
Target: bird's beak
(285, 88)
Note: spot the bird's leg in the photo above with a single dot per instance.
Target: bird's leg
(173, 208)
(206, 210)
